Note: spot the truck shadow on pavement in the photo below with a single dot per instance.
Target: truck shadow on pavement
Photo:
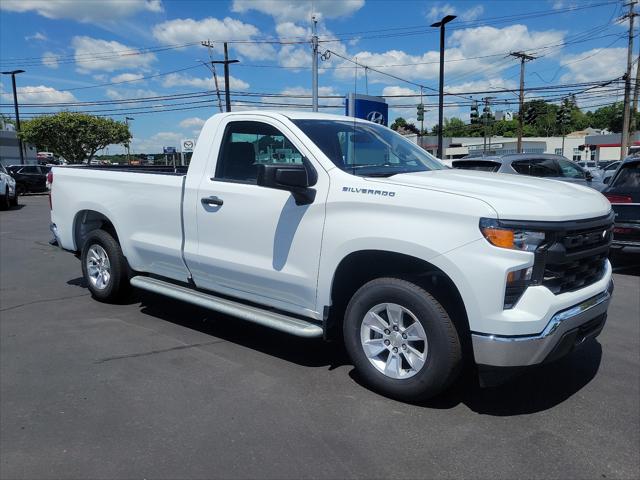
(535, 390)
(626, 262)
(301, 351)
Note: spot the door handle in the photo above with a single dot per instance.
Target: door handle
(212, 201)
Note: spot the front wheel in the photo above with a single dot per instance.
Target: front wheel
(401, 340)
(104, 267)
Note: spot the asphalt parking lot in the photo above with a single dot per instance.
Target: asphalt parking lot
(158, 389)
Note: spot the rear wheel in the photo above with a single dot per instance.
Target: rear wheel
(14, 200)
(4, 200)
(401, 340)
(104, 267)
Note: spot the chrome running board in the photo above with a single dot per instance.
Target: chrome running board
(267, 318)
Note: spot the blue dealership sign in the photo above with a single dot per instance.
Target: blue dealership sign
(367, 107)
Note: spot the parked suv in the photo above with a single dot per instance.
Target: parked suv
(624, 195)
(29, 178)
(8, 192)
(555, 167)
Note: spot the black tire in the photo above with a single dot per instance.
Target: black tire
(5, 201)
(14, 200)
(118, 283)
(20, 189)
(444, 354)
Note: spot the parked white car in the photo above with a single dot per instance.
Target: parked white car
(360, 236)
(8, 192)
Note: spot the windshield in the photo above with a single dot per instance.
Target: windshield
(367, 149)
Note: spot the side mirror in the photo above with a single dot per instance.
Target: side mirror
(606, 180)
(588, 175)
(296, 178)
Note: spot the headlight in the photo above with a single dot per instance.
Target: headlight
(504, 237)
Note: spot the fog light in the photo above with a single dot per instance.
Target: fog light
(517, 283)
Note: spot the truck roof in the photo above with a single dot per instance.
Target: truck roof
(294, 115)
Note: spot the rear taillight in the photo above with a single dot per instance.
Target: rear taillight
(613, 198)
(50, 178)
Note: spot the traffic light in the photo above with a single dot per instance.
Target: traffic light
(530, 115)
(475, 118)
(487, 116)
(420, 112)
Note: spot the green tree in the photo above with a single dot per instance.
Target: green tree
(397, 123)
(609, 117)
(454, 127)
(74, 136)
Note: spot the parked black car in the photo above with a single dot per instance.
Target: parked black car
(29, 178)
(554, 167)
(624, 194)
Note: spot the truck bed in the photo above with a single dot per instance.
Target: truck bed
(179, 170)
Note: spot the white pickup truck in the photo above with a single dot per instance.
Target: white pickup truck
(327, 226)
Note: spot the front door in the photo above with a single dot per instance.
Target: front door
(255, 242)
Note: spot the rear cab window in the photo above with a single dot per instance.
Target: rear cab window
(480, 165)
(537, 167)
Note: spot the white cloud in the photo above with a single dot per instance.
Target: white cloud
(464, 46)
(155, 143)
(83, 10)
(300, 103)
(40, 94)
(489, 40)
(472, 14)
(596, 64)
(96, 54)
(438, 11)
(114, 94)
(36, 36)
(299, 10)
(188, 30)
(178, 80)
(127, 77)
(50, 59)
(192, 122)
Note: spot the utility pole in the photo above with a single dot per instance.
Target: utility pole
(212, 68)
(636, 89)
(226, 63)
(13, 74)
(314, 63)
(126, 120)
(441, 24)
(626, 114)
(523, 59)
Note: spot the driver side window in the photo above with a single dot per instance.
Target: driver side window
(246, 145)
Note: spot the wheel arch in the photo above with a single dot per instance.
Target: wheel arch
(362, 266)
(86, 221)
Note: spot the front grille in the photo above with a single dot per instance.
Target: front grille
(567, 277)
(576, 258)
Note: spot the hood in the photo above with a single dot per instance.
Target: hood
(513, 197)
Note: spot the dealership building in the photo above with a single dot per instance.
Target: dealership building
(590, 144)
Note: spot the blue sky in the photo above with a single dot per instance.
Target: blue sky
(70, 49)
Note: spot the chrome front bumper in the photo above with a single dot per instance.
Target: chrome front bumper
(565, 330)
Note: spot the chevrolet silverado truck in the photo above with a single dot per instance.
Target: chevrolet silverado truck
(327, 226)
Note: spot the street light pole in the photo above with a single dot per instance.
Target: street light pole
(13, 74)
(441, 25)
